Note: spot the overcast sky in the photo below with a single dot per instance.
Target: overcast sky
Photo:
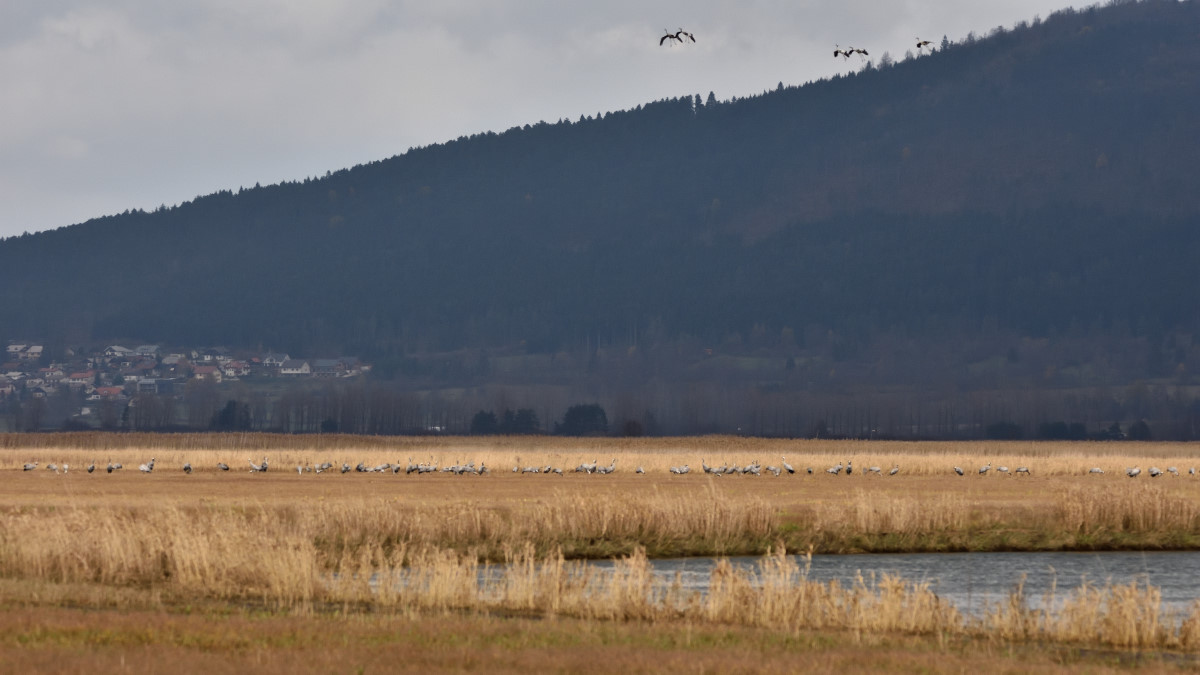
(108, 105)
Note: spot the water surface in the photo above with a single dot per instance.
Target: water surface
(973, 581)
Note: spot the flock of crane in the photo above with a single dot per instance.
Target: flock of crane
(677, 38)
(1154, 471)
(594, 467)
(862, 53)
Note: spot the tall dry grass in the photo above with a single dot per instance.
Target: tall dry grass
(1126, 508)
(1118, 615)
(371, 556)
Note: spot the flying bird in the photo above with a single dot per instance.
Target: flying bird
(677, 36)
(921, 44)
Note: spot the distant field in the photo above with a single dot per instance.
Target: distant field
(302, 544)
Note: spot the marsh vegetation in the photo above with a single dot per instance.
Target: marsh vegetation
(300, 544)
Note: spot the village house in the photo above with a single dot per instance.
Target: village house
(32, 353)
(211, 355)
(117, 352)
(235, 369)
(153, 385)
(51, 374)
(274, 360)
(207, 372)
(141, 369)
(328, 368)
(81, 378)
(295, 367)
(147, 351)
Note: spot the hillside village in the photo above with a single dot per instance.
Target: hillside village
(117, 374)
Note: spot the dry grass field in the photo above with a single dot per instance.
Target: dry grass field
(386, 554)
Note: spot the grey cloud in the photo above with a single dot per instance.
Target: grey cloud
(132, 103)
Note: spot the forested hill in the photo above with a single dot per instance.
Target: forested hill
(1035, 179)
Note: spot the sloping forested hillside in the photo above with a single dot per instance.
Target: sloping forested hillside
(1034, 181)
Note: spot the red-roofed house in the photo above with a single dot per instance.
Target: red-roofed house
(211, 372)
(81, 378)
(235, 368)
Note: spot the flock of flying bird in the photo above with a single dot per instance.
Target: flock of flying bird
(851, 51)
(676, 37)
(594, 467)
(672, 39)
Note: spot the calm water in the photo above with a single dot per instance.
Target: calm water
(972, 581)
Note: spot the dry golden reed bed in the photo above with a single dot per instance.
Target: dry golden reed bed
(276, 559)
(383, 542)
